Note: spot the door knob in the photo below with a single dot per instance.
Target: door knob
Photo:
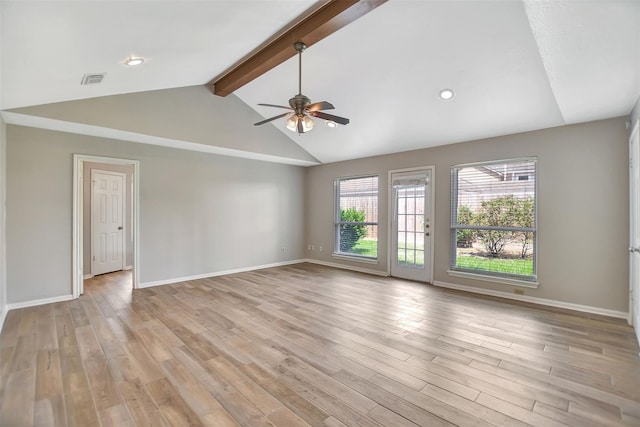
(120, 228)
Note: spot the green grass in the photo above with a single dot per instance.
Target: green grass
(523, 267)
(409, 258)
(366, 247)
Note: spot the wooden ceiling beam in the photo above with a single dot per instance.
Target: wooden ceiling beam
(312, 28)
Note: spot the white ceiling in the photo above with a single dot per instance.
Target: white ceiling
(514, 65)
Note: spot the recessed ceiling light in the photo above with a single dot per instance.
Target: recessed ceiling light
(331, 123)
(446, 94)
(133, 60)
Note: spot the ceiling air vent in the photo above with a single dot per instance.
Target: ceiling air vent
(92, 79)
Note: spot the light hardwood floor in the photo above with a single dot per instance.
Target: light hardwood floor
(310, 345)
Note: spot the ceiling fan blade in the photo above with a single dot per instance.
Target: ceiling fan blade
(271, 119)
(324, 105)
(276, 106)
(325, 116)
(300, 128)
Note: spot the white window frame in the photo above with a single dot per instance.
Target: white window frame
(337, 222)
(486, 275)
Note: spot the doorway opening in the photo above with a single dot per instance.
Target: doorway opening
(105, 195)
(411, 225)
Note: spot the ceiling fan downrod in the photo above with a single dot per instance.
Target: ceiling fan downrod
(300, 47)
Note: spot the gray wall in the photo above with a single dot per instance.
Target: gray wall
(3, 164)
(86, 220)
(3, 264)
(188, 114)
(583, 208)
(199, 213)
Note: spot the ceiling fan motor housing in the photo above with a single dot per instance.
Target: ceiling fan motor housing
(299, 103)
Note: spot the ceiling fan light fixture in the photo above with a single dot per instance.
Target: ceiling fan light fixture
(307, 123)
(292, 123)
(446, 94)
(331, 123)
(132, 61)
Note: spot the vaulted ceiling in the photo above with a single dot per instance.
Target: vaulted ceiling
(514, 65)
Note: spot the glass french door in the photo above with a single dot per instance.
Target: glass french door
(411, 226)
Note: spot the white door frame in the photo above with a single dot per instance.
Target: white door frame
(431, 213)
(77, 251)
(634, 223)
(123, 206)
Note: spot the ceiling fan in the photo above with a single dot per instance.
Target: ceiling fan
(301, 107)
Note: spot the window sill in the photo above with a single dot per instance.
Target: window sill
(495, 279)
(355, 258)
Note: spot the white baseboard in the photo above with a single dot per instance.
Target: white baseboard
(217, 273)
(37, 302)
(128, 267)
(535, 300)
(347, 267)
(87, 276)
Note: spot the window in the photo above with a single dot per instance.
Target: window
(356, 217)
(493, 218)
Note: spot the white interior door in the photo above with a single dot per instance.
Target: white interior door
(411, 225)
(107, 221)
(634, 228)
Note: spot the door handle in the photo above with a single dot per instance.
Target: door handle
(120, 228)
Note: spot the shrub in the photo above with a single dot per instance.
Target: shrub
(504, 211)
(351, 233)
(465, 237)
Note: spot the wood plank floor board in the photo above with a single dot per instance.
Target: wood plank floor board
(327, 384)
(24, 353)
(9, 333)
(392, 401)
(172, 405)
(50, 412)
(101, 380)
(310, 413)
(308, 345)
(46, 337)
(48, 375)
(471, 407)
(560, 392)
(116, 416)
(427, 403)
(517, 412)
(346, 414)
(258, 396)
(142, 408)
(17, 398)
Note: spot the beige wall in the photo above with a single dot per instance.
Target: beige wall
(583, 208)
(199, 213)
(86, 220)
